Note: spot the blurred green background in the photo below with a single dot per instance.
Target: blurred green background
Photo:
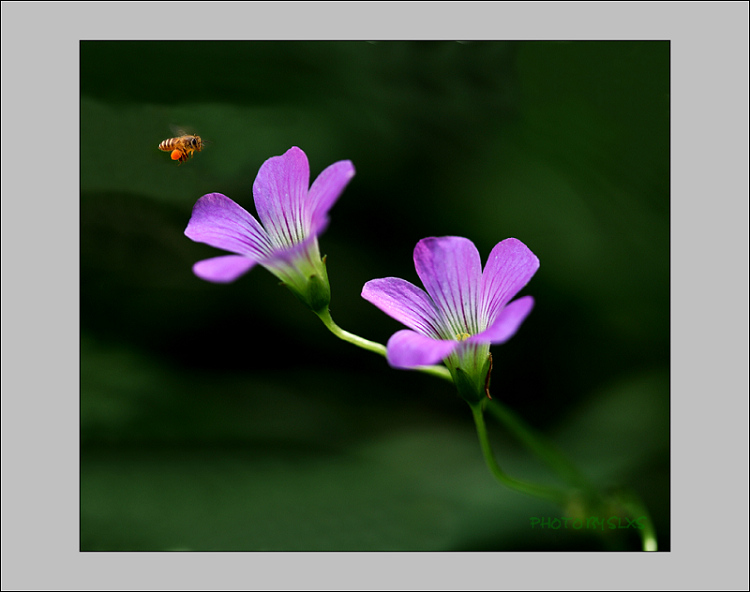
(226, 417)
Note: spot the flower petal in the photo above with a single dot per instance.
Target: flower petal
(507, 322)
(407, 349)
(404, 302)
(224, 269)
(324, 192)
(280, 191)
(451, 271)
(221, 223)
(509, 268)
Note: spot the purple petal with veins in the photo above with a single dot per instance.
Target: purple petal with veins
(221, 223)
(451, 271)
(404, 302)
(509, 268)
(507, 322)
(224, 269)
(407, 349)
(280, 191)
(324, 192)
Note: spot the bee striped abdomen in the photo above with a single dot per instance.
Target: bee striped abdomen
(182, 147)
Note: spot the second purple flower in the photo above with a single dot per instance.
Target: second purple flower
(463, 309)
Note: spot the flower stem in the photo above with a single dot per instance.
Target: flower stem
(372, 346)
(637, 510)
(540, 491)
(533, 441)
(325, 316)
(543, 449)
(592, 499)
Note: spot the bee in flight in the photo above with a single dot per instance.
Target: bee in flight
(182, 147)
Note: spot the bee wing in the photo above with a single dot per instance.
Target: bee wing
(180, 130)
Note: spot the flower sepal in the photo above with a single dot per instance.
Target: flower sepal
(314, 291)
(472, 387)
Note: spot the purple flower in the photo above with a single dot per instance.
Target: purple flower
(464, 309)
(285, 240)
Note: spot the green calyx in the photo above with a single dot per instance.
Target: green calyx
(313, 290)
(473, 387)
(318, 292)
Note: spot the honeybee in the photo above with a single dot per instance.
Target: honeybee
(182, 147)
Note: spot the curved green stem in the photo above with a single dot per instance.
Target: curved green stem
(648, 536)
(540, 491)
(325, 316)
(543, 449)
(637, 510)
(372, 346)
(570, 473)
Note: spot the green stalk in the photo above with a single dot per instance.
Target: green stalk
(545, 450)
(553, 495)
(637, 510)
(325, 316)
(528, 437)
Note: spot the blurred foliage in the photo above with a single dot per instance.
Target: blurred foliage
(228, 418)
